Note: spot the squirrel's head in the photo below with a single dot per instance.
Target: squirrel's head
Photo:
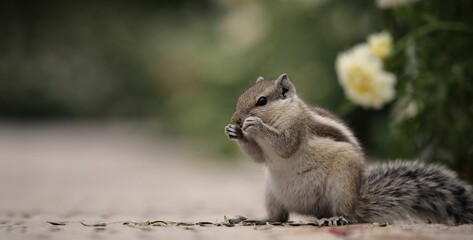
(265, 99)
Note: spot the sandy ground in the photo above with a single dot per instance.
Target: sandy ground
(114, 173)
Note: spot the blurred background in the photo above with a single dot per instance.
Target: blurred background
(180, 63)
(174, 70)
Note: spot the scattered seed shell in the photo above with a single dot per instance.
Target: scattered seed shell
(57, 223)
(204, 224)
(185, 224)
(159, 223)
(236, 219)
(94, 225)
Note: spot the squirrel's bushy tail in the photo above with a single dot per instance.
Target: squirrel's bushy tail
(414, 192)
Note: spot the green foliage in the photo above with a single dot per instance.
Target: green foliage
(434, 64)
(81, 59)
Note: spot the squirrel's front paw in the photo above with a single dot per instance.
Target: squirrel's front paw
(233, 131)
(252, 124)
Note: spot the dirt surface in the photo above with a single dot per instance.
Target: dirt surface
(113, 173)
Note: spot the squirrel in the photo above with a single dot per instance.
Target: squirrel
(315, 166)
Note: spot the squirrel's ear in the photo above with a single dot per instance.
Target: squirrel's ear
(285, 87)
(259, 79)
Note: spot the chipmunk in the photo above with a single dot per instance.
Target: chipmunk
(314, 165)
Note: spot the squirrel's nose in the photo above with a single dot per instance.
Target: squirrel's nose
(236, 119)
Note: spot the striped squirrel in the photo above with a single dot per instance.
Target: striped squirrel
(315, 166)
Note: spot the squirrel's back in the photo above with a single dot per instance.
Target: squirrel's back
(416, 192)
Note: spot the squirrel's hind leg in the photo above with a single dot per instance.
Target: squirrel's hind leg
(333, 221)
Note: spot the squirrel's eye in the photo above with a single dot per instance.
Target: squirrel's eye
(261, 101)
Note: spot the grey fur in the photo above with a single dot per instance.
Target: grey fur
(315, 166)
(414, 192)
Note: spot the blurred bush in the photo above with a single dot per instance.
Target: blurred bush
(63, 59)
(434, 63)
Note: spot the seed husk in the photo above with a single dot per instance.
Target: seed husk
(94, 224)
(57, 223)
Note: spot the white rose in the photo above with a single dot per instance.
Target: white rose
(363, 79)
(380, 44)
